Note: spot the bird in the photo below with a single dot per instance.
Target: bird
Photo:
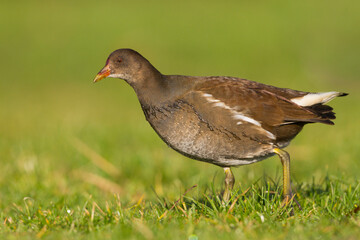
(225, 121)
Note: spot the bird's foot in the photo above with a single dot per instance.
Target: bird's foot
(288, 199)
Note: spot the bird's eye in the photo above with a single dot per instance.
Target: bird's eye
(119, 60)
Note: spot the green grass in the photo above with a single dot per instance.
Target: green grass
(79, 160)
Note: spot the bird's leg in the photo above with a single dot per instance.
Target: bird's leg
(229, 184)
(285, 161)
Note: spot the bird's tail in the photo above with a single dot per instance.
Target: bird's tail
(315, 102)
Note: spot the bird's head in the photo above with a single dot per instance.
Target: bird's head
(125, 64)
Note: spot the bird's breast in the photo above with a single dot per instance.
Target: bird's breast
(181, 126)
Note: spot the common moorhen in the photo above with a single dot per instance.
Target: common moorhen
(225, 121)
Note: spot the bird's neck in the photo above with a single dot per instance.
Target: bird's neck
(157, 89)
(149, 86)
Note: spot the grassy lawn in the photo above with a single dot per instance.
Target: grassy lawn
(79, 161)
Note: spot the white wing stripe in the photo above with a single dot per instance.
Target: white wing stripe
(239, 116)
(236, 115)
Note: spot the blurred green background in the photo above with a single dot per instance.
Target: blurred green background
(51, 51)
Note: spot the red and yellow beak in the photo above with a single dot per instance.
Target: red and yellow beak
(105, 72)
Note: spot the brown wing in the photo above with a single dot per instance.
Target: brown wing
(267, 105)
